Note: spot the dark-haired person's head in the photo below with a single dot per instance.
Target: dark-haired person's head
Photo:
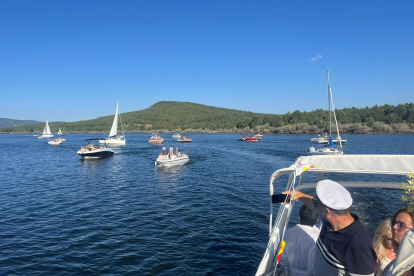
(401, 222)
(307, 216)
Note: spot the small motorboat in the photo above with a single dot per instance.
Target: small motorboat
(177, 135)
(95, 151)
(338, 140)
(164, 160)
(56, 142)
(156, 139)
(258, 137)
(251, 139)
(184, 139)
(247, 138)
(326, 151)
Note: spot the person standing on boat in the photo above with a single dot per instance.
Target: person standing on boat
(344, 247)
(311, 149)
(298, 255)
(171, 151)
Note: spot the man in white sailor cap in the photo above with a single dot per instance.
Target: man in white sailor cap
(344, 247)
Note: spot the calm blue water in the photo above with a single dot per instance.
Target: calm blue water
(61, 215)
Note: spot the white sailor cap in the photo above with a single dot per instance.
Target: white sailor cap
(333, 195)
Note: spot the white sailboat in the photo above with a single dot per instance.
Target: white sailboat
(330, 149)
(46, 132)
(114, 138)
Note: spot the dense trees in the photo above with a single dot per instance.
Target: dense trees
(182, 116)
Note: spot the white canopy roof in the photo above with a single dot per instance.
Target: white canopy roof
(366, 164)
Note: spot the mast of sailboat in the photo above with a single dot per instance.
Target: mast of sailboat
(329, 99)
(123, 133)
(333, 108)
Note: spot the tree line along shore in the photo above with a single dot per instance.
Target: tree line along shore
(169, 116)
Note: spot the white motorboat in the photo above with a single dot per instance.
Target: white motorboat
(184, 139)
(174, 160)
(55, 142)
(95, 151)
(176, 135)
(328, 139)
(327, 151)
(338, 140)
(372, 166)
(114, 138)
(46, 132)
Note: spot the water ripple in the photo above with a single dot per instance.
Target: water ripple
(62, 215)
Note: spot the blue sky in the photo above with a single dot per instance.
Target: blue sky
(72, 60)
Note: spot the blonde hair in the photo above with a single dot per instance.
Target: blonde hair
(380, 239)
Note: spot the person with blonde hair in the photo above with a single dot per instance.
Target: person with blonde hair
(383, 246)
(401, 223)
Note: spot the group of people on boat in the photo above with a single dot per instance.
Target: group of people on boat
(331, 240)
(169, 154)
(89, 147)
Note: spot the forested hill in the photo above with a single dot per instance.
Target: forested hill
(4, 122)
(191, 117)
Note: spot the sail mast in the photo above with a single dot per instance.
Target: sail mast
(329, 99)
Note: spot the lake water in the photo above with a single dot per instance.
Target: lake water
(61, 215)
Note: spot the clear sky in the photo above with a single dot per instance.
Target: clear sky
(72, 60)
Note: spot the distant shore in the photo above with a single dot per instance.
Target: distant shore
(357, 128)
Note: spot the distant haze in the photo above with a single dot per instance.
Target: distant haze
(4, 122)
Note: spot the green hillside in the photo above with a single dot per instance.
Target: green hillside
(191, 117)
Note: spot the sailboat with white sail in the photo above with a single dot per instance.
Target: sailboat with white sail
(46, 132)
(114, 138)
(330, 149)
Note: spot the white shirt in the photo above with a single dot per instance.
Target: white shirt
(299, 251)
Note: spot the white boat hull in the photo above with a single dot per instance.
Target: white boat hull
(326, 151)
(334, 141)
(113, 141)
(185, 140)
(98, 153)
(172, 162)
(55, 143)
